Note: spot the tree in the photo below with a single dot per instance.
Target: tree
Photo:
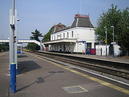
(119, 19)
(124, 30)
(35, 36)
(108, 19)
(33, 46)
(47, 35)
(4, 47)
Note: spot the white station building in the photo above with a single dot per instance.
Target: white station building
(77, 38)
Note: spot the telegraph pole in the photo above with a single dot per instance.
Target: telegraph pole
(13, 48)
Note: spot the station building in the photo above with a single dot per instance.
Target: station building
(77, 38)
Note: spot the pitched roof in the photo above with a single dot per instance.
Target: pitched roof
(59, 27)
(81, 21)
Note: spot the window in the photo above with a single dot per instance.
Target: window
(63, 35)
(88, 45)
(67, 34)
(60, 36)
(54, 37)
(72, 33)
(51, 37)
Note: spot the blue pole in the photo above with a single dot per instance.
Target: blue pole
(13, 77)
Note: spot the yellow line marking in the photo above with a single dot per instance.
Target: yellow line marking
(123, 90)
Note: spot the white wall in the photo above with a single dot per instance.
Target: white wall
(101, 50)
(79, 34)
(64, 34)
(79, 47)
(86, 34)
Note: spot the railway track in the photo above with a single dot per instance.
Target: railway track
(111, 69)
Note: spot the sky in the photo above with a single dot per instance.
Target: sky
(43, 14)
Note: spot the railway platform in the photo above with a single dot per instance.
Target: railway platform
(107, 58)
(4, 79)
(124, 59)
(39, 77)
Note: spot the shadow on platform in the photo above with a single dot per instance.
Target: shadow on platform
(26, 66)
(51, 73)
(40, 80)
(21, 56)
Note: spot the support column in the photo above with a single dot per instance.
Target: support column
(93, 45)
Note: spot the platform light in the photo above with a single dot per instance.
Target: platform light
(113, 34)
(13, 48)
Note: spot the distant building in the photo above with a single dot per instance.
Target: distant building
(79, 37)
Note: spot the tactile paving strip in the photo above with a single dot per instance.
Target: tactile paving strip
(75, 89)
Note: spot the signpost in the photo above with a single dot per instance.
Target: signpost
(13, 48)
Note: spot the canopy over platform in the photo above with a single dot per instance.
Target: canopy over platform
(61, 41)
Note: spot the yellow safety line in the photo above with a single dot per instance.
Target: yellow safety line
(123, 90)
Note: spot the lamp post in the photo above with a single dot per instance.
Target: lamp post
(106, 38)
(113, 39)
(113, 33)
(13, 48)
